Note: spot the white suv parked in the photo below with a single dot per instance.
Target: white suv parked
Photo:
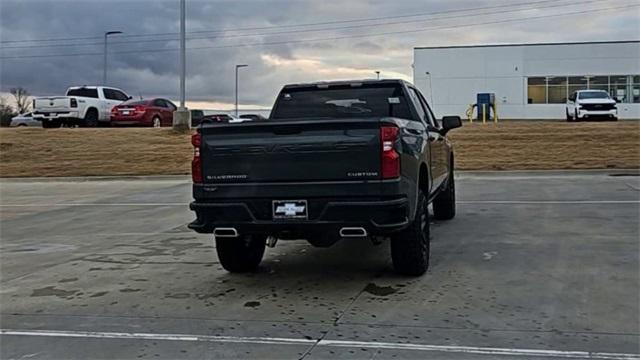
(591, 104)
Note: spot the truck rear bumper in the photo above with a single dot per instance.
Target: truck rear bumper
(48, 116)
(326, 216)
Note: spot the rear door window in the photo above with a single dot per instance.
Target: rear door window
(422, 111)
(113, 94)
(83, 92)
(168, 104)
(431, 119)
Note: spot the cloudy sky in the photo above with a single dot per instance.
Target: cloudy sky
(282, 41)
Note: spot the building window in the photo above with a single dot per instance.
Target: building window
(577, 83)
(556, 89)
(618, 85)
(635, 89)
(536, 90)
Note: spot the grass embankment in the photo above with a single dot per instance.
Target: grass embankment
(515, 145)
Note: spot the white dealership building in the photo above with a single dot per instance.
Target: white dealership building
(530, 81)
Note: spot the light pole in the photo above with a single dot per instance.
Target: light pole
(182, 116)
(104, 71)
(377, 75)
(430, 88)
(238, 67)
(183, 54)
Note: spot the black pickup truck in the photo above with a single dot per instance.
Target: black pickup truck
(335, 160)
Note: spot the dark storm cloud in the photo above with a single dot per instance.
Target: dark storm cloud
(211, 71)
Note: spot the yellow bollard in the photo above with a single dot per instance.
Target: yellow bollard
(495, 114)
(484, 113)
(470, 113)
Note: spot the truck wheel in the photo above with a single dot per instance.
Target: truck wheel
(51, 124)
(444, 205)
(568, 116)
(410, 247)
(90, 119)
(242, 254)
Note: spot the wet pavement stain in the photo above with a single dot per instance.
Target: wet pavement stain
(374, 289)
(98, 294)
(127, 290)
(252, 304)
(177, 296)
(52, 291)
(68, 280)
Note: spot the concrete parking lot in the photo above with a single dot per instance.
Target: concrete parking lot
(535, 265)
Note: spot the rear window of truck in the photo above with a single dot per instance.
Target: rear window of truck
(83, 92)
(342, 101)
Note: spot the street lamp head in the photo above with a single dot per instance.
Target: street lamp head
(241, 65)
(112, 32)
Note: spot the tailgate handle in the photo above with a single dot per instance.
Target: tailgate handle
(287, 130)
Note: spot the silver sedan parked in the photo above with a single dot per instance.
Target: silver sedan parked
(25, 119)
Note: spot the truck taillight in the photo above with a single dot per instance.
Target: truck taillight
(73, 102)
(196, 163)
(390, 159)
(33, 104)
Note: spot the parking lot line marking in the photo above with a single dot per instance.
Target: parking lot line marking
(576, 202)
(330, 343)
(154, 336)
(185, 204)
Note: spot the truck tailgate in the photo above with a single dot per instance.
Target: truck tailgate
(52, 104)
(310, 150)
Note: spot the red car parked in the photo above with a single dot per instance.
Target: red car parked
(153, 112)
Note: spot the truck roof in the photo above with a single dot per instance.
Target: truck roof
(92, 87)
(346, 82)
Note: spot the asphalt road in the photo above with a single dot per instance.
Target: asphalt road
(535, 265)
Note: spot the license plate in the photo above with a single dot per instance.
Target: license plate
(290, 209)
(125, 112)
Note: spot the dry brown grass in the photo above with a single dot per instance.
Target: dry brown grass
(85, 152)
(505, 146)
(526, 145)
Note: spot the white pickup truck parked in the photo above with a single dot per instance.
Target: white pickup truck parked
(86, 106)
(591, 104)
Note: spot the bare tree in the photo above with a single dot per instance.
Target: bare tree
(6, 112)
(22, 99)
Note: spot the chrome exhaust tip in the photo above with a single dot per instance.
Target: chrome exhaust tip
(353, 232)
(225, 232)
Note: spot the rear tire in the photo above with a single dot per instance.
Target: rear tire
(241, 254)
(444, 205)
(90, 118)
(410, 247)
(568, 116)
(156, 122)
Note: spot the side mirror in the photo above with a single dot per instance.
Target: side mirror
(617, 100)
(129, 97)
(450, 123)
